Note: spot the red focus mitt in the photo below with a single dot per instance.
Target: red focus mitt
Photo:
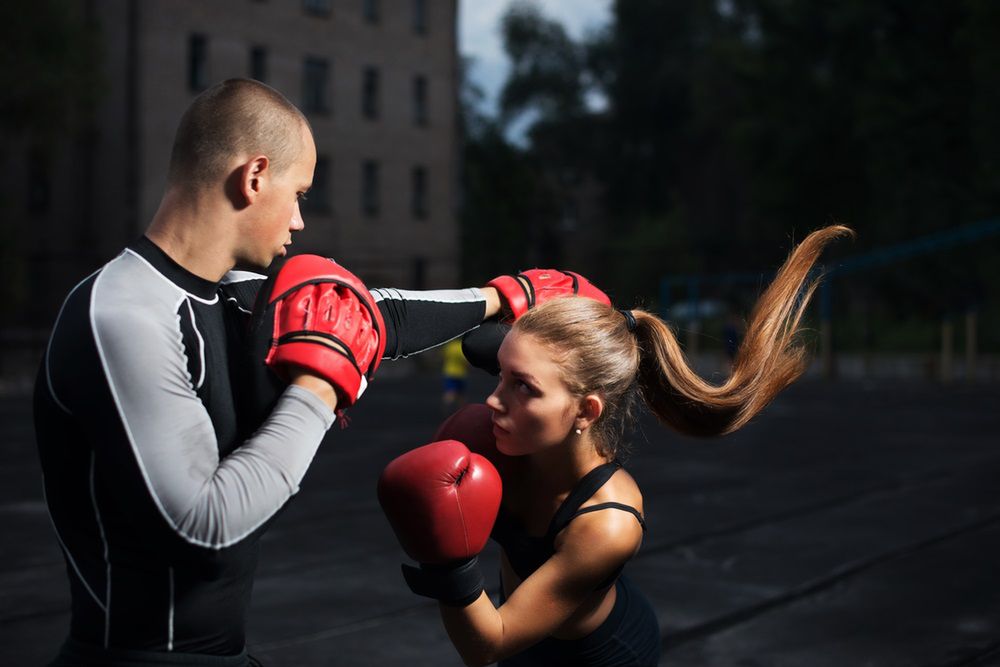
(322, 319)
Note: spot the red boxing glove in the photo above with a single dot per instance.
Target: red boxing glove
(472, 425)
(535, 286)
(441, 501)
(324, 320)
(521, 293)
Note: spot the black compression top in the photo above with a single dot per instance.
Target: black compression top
(526, 553)
(158, 479)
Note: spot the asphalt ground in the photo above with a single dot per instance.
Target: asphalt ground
(850, 524)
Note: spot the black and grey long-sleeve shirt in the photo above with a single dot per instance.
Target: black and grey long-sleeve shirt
(160, 476)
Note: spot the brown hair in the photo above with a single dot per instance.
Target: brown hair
(233, 118)
(599, 354)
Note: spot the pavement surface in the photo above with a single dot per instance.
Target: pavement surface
(851, 524)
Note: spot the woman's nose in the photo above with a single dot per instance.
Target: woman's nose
(493, 401)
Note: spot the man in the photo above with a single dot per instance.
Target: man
(161, 473)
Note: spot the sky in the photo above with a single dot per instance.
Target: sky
(479, 34)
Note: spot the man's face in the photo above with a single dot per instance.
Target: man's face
(278, 214)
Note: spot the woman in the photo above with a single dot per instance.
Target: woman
(571, 517)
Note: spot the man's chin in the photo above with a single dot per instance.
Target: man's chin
(253, 265)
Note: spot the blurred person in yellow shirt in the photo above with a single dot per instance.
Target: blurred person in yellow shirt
(454, 369)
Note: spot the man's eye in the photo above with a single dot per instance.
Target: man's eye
(301, 196)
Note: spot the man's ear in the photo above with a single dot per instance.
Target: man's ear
(591, 408)
(253, 177)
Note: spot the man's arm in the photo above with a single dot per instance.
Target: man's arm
(117, 369)
(415, 320)
(418, 320)
(171, 440)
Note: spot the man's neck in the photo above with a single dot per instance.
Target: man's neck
(189, 233)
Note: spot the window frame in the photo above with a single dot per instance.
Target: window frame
(197, 62)
(370, 92)
(316, 84)
(370, 188)
(420, 100)
(419, 192)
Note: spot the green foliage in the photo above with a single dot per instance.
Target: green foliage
(546, 66)
(733, 128)
(505, 206)
(51, 83)
(649, 249)
(50, 75)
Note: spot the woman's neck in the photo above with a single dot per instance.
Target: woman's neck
(559, 468)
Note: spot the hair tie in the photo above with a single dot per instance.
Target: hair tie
(629, 319)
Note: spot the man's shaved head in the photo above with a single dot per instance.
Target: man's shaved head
(238, 117)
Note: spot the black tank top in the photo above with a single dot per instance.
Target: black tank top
(526, 553)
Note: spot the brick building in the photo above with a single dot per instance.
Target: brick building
(376, 78)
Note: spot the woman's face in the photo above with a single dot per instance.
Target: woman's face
(532, 407)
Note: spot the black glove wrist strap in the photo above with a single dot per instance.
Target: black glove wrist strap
(455, 584)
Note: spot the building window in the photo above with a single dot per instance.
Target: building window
(369, 9)
(369, 93)
(418, 193)
(420, 100)
(315, 82)
(369, 188)
(420, 17)
(316, 7)
(258, 63)
(197, 62)
(318, 199)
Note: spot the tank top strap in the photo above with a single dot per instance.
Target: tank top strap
(580, 494)
(618, 506)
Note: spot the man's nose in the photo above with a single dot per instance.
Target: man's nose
(296, 223)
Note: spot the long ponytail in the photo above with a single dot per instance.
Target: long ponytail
(770, 357)
(600, 350)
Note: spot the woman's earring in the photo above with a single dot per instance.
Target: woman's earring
(579, 432)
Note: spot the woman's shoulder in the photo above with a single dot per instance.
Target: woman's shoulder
(620, 488)
(610, 518)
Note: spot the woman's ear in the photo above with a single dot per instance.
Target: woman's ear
(591, 408)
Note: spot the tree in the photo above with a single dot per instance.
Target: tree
(51, 82)
(50, 76)
(734, 127)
